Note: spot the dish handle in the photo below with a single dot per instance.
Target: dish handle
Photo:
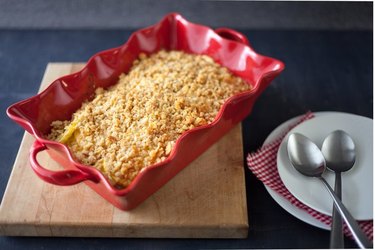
(232, 35)
(62, 178)
(272, 67)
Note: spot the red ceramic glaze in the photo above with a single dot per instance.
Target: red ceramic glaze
(66, 94)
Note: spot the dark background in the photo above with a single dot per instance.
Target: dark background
(327, 48)
(119, 14)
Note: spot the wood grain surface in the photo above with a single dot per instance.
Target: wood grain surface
(205, 200)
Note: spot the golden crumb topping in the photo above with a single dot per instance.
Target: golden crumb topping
(136, 122)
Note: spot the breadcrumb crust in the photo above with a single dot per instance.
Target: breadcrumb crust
(136, 122)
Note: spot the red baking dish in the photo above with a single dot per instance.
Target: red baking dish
(66, 94)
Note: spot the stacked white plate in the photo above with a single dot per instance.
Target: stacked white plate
(357, 183)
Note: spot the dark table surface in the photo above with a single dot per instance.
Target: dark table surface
(325, 71)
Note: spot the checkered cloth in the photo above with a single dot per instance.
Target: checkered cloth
(263, 164)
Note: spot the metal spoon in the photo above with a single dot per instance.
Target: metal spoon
(307, 159)
(339, 152)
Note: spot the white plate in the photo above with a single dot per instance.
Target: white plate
(284, 203)
(357, 191)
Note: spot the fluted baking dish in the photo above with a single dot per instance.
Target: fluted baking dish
(65, 95)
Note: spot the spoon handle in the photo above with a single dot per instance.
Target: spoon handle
(337, 237)
(358, 235)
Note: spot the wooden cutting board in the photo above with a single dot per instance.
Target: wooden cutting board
(205, 200)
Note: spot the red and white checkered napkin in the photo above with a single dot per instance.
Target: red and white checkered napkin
(263, 164)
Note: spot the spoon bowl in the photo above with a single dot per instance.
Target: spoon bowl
(305, 155)
(339, 151)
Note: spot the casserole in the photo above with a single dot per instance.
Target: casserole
(229, 48)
